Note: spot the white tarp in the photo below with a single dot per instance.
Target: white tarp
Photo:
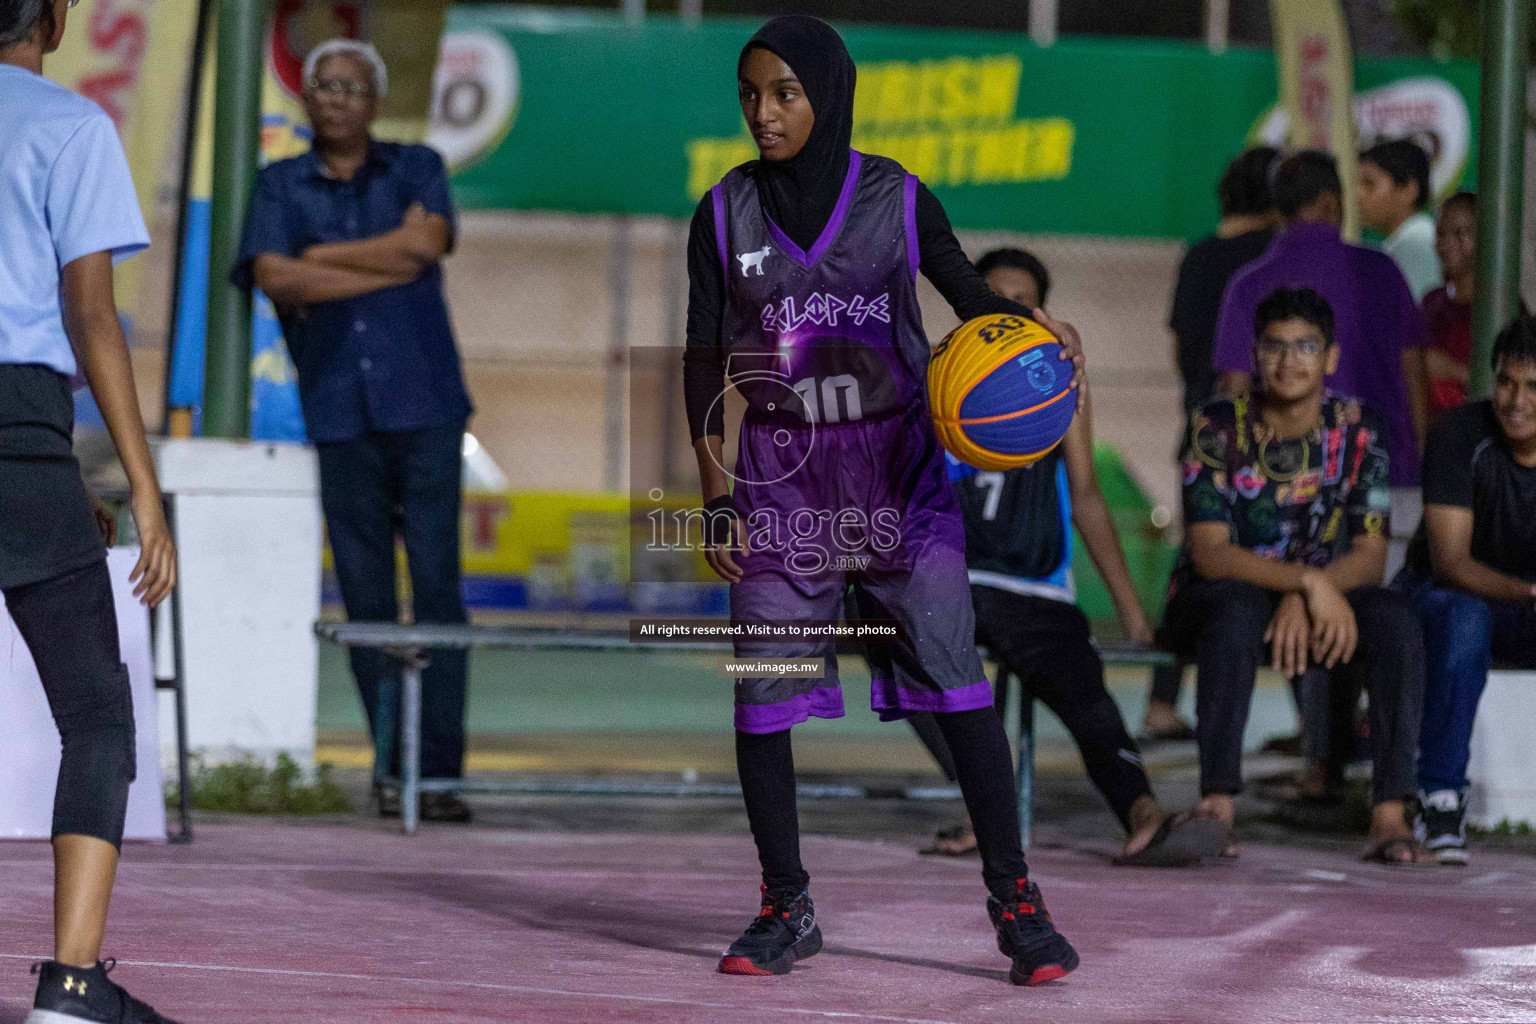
(29, 743)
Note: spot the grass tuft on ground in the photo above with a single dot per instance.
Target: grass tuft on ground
(248, 786)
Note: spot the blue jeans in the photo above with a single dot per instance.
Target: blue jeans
(1463, 634)
(370, 487)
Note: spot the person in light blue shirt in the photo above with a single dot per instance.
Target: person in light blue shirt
(1394, 193)
(68, 212)
(65, 187)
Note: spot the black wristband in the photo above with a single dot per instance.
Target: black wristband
(720, 516)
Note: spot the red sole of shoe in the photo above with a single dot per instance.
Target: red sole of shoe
(740, 965)
(1045, 974)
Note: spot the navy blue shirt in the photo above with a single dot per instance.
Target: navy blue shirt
(383, 361)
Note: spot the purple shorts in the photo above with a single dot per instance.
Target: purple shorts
(867, 502)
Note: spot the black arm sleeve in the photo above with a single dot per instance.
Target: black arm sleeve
(704, 356)
(945, 264)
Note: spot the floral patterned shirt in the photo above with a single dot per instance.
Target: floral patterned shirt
(1299, 499)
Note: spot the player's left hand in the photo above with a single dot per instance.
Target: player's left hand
(106, 519)
(1071, 346)
(155, 574)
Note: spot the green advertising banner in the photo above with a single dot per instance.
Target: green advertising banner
(577, 111)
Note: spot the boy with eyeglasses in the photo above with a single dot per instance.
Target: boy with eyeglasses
(1286, 509)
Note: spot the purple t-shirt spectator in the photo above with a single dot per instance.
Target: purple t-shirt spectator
(1375, 320)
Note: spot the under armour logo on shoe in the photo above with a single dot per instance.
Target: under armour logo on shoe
(71, 985)
(748, 260)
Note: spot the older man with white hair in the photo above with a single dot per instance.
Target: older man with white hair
(347, 242)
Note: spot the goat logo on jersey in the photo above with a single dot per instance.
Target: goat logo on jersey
(748, 260)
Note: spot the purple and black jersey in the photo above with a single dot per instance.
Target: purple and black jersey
(839, 476)
(839, 325)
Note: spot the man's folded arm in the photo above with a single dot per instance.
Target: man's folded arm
(302, 282)
(418, 243)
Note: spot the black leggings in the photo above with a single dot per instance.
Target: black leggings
(70, 626)
(983, 769)
(1047, 644)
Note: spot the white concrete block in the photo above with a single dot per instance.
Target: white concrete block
(248, 535)
(1502, 769)
(29, 741)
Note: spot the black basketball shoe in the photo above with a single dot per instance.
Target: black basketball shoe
(1026, 934)
(1442, 826)
(70, 995)
(785, 931)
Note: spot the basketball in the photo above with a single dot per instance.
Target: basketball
(1000, 393)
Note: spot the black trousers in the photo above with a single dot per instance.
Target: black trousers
(370, 488)
(1046, 644)
(69, 625)
(1221, 624)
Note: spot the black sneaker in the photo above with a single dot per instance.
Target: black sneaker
(435, 807)
(387, 798)
(70, 995)
(445, 807)
(785, 931)
(1441, 827)
(1026, 934)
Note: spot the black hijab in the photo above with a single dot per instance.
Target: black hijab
(800, 193)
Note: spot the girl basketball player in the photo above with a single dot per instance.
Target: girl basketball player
(70, 213)
(803, 269)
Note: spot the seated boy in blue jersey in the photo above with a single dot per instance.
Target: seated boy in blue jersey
(1018, 549)
(1286, 506)
(1471, 574)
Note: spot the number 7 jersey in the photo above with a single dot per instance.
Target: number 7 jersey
(833, 334)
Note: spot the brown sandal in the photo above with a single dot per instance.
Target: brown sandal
(956, 841)
(1183, 839)
(1389, 851)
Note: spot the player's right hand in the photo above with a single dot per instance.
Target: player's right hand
(1071, 347)
(1334, 630)
(155, 573)
(720, 556)
(1288, 636)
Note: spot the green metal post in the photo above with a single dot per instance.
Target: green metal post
(236, 148)
(1500, 181)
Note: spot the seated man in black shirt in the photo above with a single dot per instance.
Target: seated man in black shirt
(1285, 510)
(1471, 573)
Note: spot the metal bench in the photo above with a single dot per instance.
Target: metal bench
(411, 646)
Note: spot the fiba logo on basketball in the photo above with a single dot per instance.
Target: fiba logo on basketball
(1037, 371)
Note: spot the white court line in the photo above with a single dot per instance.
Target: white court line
(877, 877)
(522, 989)
(552, 873)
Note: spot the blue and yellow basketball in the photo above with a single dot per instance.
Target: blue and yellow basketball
(1000, 393)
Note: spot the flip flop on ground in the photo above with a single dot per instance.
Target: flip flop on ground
(1183, 839)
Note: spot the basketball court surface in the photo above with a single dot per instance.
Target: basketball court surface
(352, 923)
